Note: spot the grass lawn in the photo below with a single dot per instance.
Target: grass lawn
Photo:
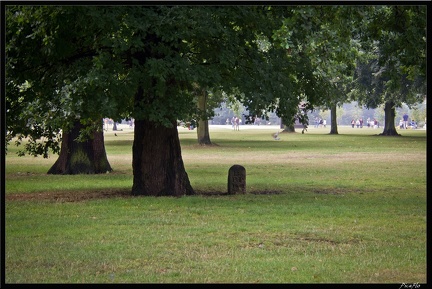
(320, 208)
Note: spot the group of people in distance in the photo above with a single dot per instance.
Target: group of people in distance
(235, 122)
(404, 123)
(319, 122)
(359, 123)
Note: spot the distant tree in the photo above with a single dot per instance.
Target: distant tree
(203, 125)
(373, 93)
(418, 113)
(394, 37)
(319, 42)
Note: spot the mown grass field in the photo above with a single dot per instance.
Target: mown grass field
(320, 208)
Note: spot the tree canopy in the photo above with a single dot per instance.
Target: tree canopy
(85, 62)
(65, 61)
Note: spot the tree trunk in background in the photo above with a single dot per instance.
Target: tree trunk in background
(203, 132)
(389, 120)
(203, 127)
(333, 120)
(158, 168)
(288, 125)
(88, 157)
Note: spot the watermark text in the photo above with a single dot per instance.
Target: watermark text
(409, 286)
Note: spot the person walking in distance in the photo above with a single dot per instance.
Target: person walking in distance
(237, 124)
(405, 120)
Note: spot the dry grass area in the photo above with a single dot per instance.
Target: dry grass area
(301, 157)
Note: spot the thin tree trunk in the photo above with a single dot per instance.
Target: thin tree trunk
(203, 132)
(389, 120)
(88, 157)
(333, 120)
(203, 127)
(158, 168)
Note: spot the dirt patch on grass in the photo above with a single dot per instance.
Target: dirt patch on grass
(335, 191)
(69, 196)
(79, 196)
(220, 193)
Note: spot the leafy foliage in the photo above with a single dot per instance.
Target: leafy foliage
(89, 62)
(394, 67)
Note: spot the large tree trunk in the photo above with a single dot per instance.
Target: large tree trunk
(389, 120)
(203, 127)
(88, 157)
(333, 120)
(158, 168)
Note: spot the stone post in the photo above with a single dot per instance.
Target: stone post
(237, 180)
